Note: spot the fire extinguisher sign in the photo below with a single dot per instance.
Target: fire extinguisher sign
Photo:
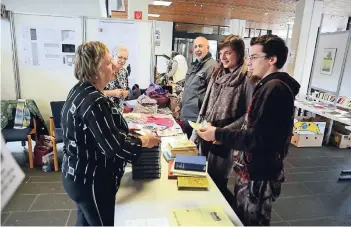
(138, 15)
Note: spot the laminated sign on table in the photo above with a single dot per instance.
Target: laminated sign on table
(11, 175)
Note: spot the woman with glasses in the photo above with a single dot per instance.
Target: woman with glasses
(118, 89)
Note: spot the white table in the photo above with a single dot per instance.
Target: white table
(149, 199)
(345, 174)
(325, 113)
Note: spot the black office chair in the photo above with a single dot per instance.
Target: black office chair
(56, 132)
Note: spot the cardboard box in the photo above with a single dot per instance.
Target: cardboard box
(307, 132)
(340, 140)
(307, 140)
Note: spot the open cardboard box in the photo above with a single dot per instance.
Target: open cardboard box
(340, 140)
(307, 132)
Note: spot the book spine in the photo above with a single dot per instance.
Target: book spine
(190, 167)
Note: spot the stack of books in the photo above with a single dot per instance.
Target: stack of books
(182, 147)
(166, 148)
(190, 171)
(149, 164)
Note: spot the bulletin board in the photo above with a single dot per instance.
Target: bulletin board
(46, 48)
(345, 89)
(328, 62)
(136, 36)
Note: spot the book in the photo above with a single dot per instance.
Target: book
(170, 174)
(188, 172)
(191, 152)
(200, 216)
(146, 167)
(168, 156)
(185, 147)
(146, 176)
(182, 144)
(193, 183)
(194, 163)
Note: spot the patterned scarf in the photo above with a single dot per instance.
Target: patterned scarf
(223, 97)
(22, 118)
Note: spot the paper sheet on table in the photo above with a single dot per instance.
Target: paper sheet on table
(200, 216)
(147, 222)
(11, 174)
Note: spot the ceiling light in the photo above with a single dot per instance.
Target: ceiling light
(161, 3)
(292, 22)
(153, 15)
(266, 14)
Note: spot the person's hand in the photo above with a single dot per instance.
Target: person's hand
(149, 141)
(125, 93)
(208, 133)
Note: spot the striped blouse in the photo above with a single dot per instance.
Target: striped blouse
(95, 137)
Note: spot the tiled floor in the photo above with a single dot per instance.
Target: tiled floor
(311, 194)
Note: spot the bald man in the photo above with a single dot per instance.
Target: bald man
(196, 81)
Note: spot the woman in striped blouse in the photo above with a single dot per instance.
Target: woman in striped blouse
(96, 141)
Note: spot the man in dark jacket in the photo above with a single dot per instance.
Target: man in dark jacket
(196, 81)
(265, 136)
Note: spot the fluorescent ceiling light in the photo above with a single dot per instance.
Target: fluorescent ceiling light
(161, 3)
(153, 15)
(290, 22)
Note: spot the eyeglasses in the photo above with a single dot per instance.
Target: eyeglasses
(255, 57)
(122, 58)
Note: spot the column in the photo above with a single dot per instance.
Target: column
(138, 10)
(237, 27)
(304, 37)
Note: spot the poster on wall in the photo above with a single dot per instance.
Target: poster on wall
(47, 48)
(291, 56)
(158, 37)
(328, 61)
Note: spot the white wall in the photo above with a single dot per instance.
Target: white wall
(328, 40)
(139, 5)
(345, 89)
(304, 36)
(165, 45)
(332, 23)
(135, 35)
(92, 8)
(8, 90)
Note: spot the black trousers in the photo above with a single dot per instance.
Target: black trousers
(221, 184)
(188, 130)
(95, 201)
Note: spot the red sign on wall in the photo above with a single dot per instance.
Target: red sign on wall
(138, 15)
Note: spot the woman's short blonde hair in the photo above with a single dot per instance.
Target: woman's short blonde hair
(88, 57)
(119, 49)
